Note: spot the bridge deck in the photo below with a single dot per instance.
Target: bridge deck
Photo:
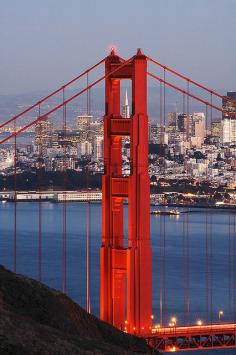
(196, 337)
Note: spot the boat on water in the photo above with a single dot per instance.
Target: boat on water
(166, 213)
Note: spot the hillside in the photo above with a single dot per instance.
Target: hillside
(35, 319)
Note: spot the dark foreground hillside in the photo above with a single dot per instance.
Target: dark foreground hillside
(35, 319)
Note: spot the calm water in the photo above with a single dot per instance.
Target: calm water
(220, 240)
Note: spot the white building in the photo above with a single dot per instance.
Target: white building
(98, 148)
(228, 130)
(84, 148)
(125, 107)
(198, 129)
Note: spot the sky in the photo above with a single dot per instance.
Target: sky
(44, 43)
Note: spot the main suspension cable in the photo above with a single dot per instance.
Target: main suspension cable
(24, 128)
(14, 118)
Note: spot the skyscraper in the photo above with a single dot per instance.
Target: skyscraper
(125, 107)
(43, 134)
(184, 124)
(228, 122)
(84, 127)
(198, 131)
(98, 148)
(216, 128)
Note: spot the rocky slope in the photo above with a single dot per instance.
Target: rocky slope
(35, 319)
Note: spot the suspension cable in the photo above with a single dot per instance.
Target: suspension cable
(191, 81)
(53, 93)
(24, 128)
(190, 94)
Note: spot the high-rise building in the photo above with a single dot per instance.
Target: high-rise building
(85, 149)
(98, 148)
(172, 119)
(228, 133)
(43, 134)
(96, 127)
(216, 128)
(125, 107)
(198, 129)
(158, 134)
(184, 123)
(83, 126)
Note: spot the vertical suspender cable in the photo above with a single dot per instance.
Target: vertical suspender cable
(88, 224)
(211, 268)
(164, 219)
(229, 266)
(184, 270)
(211, 117)
(187, 271)
(207, 266)
(185, 239)
(88, 231)
(164, 106)
(15, 202)
(161, 274)
(40, 204)
(64, 237)
(164, 270)
(234, 269)
(189, 127)
(210, 230)
(161, 225)
(161, 108)
(206, 113)
(188, 118)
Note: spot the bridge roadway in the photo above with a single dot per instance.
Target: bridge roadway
(194, 337)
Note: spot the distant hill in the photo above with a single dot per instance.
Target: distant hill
(35, 319)
(13, 104)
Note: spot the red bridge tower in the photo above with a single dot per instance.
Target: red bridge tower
(126, 271)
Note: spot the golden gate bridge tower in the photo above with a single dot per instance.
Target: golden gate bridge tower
(126, 271)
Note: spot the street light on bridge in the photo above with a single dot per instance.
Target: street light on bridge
(173, 322)
(220, 314)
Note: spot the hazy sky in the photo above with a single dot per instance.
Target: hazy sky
(46, 42)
